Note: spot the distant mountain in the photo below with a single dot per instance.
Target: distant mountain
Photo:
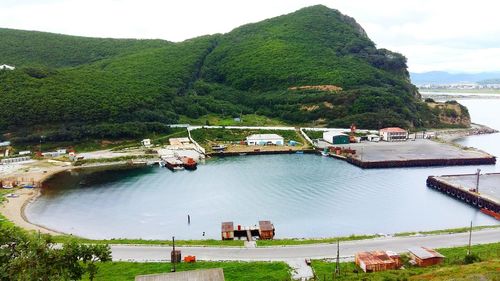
(441, 77)
(70, 88)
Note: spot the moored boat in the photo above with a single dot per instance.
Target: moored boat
(189, 163)
(491, 213)
(173, 164)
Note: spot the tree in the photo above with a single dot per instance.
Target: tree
(26, 256)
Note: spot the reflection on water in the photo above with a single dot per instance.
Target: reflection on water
(304, 196)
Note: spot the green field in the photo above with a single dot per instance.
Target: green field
(245, 120)
(452, 269)
(208, 242)
(233, 271)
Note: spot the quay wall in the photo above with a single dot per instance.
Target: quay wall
(465, 196)
(270, 152)
(421, 162)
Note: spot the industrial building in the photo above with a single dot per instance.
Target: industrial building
(334, 137)
(265, 139)
(378, 261)
(393, 134)
(423, 256)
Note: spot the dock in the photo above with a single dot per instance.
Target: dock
(265, 231)
(414, 153)
(261, 152)
(481, 191)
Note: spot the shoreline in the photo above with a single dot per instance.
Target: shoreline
(13, 209)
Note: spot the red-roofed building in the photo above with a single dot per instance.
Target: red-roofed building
(393, 134)
(377, 261)
(425, 256)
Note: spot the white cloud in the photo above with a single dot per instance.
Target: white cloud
(434, 35)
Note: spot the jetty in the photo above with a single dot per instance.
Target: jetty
(265, 231)
(481, 191)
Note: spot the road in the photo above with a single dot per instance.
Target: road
(143, 253)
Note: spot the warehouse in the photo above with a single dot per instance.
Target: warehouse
(334, 137)
(265, 139)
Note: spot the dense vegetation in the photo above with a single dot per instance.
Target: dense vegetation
(72, 87)
(27, 256)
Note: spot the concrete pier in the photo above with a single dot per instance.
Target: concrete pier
(463, 187)
(414, 153)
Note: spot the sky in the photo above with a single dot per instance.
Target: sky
(435, 35)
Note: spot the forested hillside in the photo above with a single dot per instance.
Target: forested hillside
(69, 88)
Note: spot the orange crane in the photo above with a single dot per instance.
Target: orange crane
(352, 135)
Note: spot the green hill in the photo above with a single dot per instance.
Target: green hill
(69, 88)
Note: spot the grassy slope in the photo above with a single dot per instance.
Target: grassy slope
(27, 48)
(246, 71)
(452, 268)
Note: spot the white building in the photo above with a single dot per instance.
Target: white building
(146, 142)
(393, 134)
(6, 67)
(372, 137)
(265, 139)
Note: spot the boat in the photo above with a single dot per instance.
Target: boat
(299, 152)
(491, 213)
(173, 164)
(189, 163)
(324, 152)
(219, 148)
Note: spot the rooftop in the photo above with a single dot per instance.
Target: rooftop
(265, 137)
(375, 257)
(425, 253)
(393, 130)
(213, 274)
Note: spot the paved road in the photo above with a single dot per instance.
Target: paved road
(319, 251)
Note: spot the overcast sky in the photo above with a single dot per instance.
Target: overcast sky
(450, 35)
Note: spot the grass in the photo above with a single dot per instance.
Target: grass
(208, 242)
(446, 231)
(246, 120)
(292, 242)
(453, 267)
(240, 271)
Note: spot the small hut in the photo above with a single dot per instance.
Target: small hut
(377, 261)
(227, 230)
(425, 257)
(266, 230)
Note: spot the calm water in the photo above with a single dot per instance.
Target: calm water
(304, 196)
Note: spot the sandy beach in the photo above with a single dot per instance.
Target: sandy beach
(33, 172)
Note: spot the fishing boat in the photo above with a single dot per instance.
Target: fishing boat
(173, 164)
(491, 213)
(189, 163)
(324, 152)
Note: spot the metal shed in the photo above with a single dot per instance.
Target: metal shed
(425, 257)
(334, 137)
(377, 261)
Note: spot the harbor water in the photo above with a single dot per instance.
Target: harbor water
(304, 196)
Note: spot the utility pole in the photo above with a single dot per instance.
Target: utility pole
(173, 256)
(477, 180)
(470, 239)
(337, 263)
(477, 186)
